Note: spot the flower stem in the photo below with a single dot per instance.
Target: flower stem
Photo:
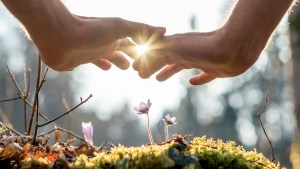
(166, 132)
(149, 131)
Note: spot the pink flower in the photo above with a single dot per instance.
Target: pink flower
(143, 108)
(170, 120)
(87, 129)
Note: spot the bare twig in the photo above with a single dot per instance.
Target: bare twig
(260, 164)
(71, 133)
(24, 79)
(25, 101)
(36, 116)
(11, 99)
(35, 97)
(56, 127)
(28, 86)
(67, 107)
(25, 117)
(14, 81)
(112, 144)
(45, 118)
(258, 115)
(26, 91)
(64, 130)
(4, 118)
(43, 80)
(12, 130)
(23, 94)
(81, 102)
(37, 90)
(47, 133)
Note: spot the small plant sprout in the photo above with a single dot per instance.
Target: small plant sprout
(143, 108)
(169, 121)
(87, 129)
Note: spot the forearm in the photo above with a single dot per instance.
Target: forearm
(41, 17)
(252, 22)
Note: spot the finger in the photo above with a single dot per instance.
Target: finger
(168, 72)
(119, 60)
(153, 59)
(145, 34)
(201, 79)
(128, 47)
(118, 28)
(102, 64)
(137, 64)
(151, 67)
(123, 28)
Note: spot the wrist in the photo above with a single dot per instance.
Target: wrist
(240, 50)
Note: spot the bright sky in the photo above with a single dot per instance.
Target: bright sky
(114, 87)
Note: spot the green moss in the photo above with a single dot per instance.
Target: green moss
(200, 153)
(217, 154)
(128, 157)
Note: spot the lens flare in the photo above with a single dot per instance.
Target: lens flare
(141, 49)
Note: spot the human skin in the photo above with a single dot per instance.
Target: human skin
(66, 41)
(225, 52)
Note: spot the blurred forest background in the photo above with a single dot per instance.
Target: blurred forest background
(223, 109)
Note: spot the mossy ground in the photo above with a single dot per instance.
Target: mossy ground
(197, 154)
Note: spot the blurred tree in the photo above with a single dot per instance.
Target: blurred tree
(294, 20)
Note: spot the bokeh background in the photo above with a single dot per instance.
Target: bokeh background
(225, 108)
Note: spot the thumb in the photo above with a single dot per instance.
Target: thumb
(118, 28)
(142, 33)
(201, 79)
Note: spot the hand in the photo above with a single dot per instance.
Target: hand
(66, 41)
(94, 40)
(205, 51)
(225, 52)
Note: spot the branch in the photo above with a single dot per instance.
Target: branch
(260, 164)
(26, 91)
(35, 97)
(6, 100)
(59, 128)
(22, 94)
(67, 107)
(14, 131)
(25, 100)
(45, 118)
(258, 114)
(4, 118)
(43, 80)
(81, 102)
(14, 81)
(71, 133)
(24, 79)
(49, 132)
(28, 86)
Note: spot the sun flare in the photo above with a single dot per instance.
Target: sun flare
(141, 49)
